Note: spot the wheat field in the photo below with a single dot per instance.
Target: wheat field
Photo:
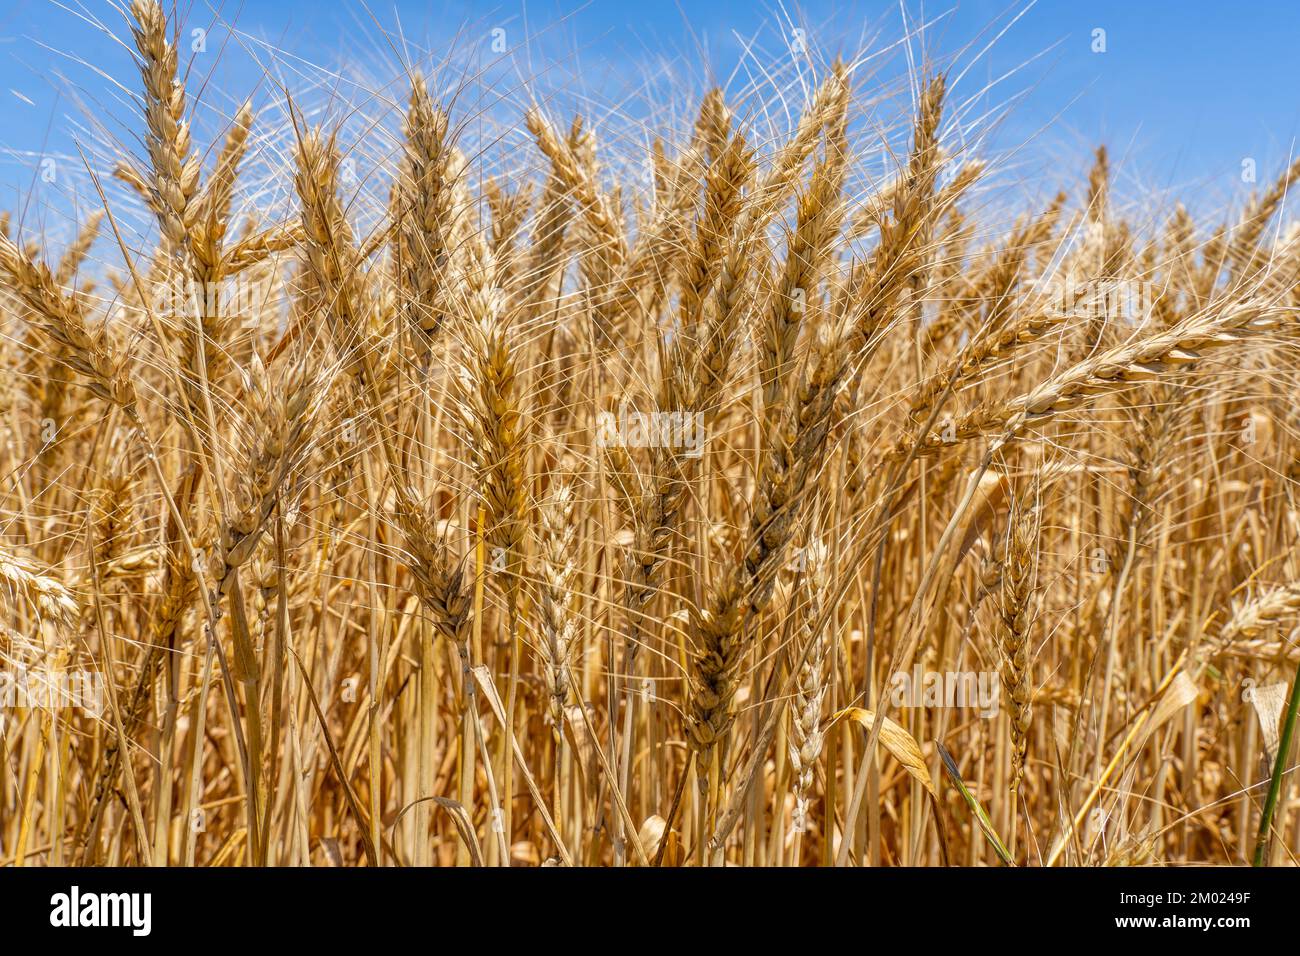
(670, 492)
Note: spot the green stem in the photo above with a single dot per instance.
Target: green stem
(1279, 766)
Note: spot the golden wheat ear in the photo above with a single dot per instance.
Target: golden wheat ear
(27, 588)
(88, 347)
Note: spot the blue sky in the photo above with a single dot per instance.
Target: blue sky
(1184, 91)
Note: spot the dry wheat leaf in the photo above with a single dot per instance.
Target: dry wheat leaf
(652, 831)
(897, 741)
(1181, 692)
